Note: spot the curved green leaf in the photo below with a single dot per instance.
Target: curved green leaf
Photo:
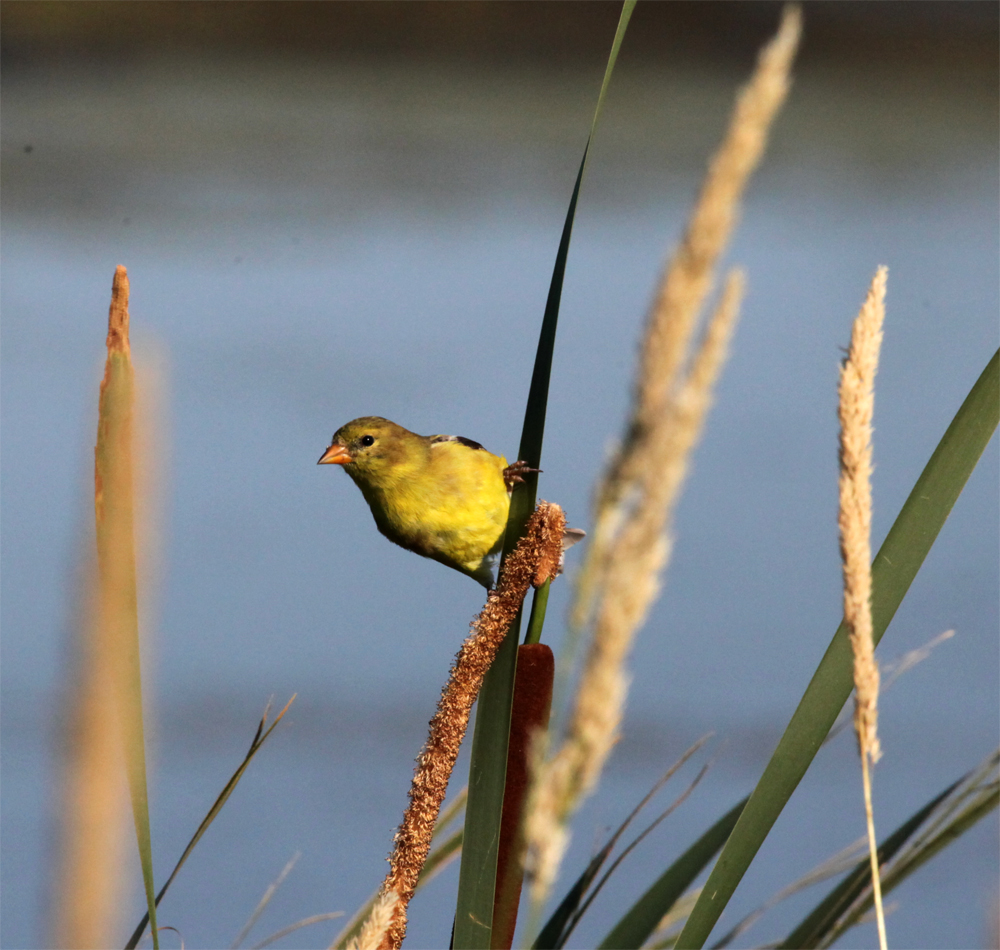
(641, 920)
(487, 771)
(260, 737)
(893, 570)
(828, 911)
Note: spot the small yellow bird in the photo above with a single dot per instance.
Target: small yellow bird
(441, 496)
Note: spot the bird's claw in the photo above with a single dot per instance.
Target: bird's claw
(513, 474)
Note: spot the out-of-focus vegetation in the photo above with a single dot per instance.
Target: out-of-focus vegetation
(929, 32)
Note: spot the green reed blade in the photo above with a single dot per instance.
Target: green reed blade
(893, 570)
(487, 771)
(641, 920)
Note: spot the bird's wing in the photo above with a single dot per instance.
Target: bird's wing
(455, 438)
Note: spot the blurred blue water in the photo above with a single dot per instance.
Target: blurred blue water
(312, 245)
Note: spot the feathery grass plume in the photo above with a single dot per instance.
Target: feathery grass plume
(683, 289)
(634, 559)
(630, 544)
(857, 403)
(541, 544)
(373, 930)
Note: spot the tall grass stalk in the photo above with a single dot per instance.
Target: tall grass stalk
(89, 891)
(117, 600)
(94, 824)
(856, 408)
(630, 540)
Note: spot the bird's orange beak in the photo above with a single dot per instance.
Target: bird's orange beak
(335, 455)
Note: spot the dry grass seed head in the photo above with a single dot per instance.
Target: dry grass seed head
(630, 544)
(856, 409)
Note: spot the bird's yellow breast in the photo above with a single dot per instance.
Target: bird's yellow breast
(447, 501)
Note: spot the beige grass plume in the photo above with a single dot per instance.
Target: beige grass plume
(373, 930)
(630, 541)
(857, 403)
(856, 407)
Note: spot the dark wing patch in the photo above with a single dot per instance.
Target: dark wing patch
(468, 442)
(457, 438)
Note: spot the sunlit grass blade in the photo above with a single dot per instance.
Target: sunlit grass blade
(260, 737)
(641, 919)
(477, 877)
(114, 505)
(893, 570)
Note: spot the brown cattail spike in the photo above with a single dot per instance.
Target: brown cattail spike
(542, 542)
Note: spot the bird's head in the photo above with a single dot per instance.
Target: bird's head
(367, 446)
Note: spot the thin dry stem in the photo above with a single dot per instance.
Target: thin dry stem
(542, 543)
(866, 784)
(857, 404)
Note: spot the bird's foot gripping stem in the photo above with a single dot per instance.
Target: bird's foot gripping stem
(514, 474)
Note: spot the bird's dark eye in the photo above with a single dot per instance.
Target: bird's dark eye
(367, 440)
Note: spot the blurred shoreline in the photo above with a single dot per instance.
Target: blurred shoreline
(929, 34)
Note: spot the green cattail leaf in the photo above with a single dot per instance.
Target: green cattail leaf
(893, 570)
(941, 822)
(260, 737)
(556, 929)
(477, 876)
(641, 920)
(829, 910)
